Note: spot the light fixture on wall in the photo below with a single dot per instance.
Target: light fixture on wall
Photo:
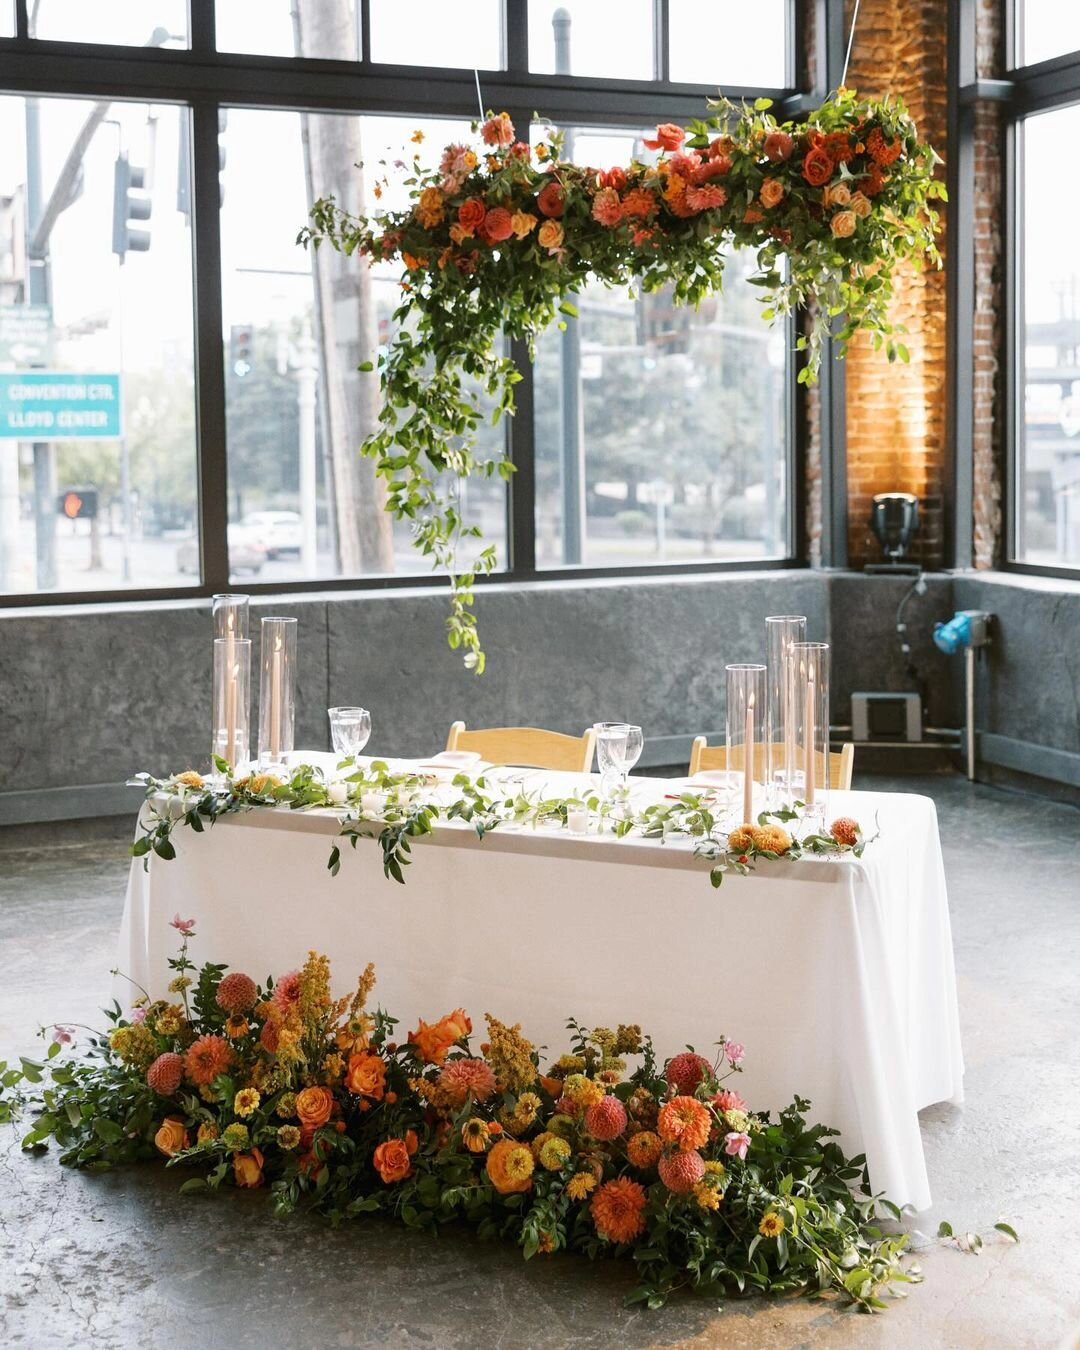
(894, 519)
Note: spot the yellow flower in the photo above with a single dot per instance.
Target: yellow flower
(580, 1185)
(475, 1134)
(207, 1134)
(583, 1091)
(771, 1225)
(178, 985)
(288, 1136)
(555, 1154)
(189, 778)
(707, 1197)
(510, 1056)
(429, 209)
(715, 1169)
(246, 1102)
(417, 137)
(286, 1106)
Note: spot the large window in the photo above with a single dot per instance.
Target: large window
(180, 404)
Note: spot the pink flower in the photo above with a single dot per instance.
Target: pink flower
(138, 1015)
(735, 1052)
(607, 208)
(736, 1145)
(729, 1101)
(64, 1035)
(464, 1076)
(705, 198)
(185, 926)
(498, 130)
(287, 990)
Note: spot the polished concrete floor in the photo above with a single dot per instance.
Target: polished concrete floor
(120, 1260)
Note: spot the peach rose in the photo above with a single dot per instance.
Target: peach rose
(843, 224)
(471, 214)
(366, 1076)
(861, 205)
(840, 195)
(772, 192)
(248, 1168)
(172, 1137)
(313, 1106)
(552, 200)
(551, 235)
(523, 223)
(393, 1161)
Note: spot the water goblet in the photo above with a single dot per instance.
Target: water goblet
(350, 730)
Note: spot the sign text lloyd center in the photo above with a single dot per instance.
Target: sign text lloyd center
(40, 405)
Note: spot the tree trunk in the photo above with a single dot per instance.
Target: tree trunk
(345, 320)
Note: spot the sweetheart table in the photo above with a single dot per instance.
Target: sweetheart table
(836, 973)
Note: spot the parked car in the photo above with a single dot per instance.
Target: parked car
(278, 531)
(246, 553)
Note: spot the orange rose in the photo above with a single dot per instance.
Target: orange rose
(172, 1137)
(668, 137)
(843, 224)
(248, 1168)
(435, 1041)
(392, 1161)
(551, 235)
(772, 192)
(840, 195)
(552, 200)
(817, 167)
(313, 1106)
(366, 1076)
(471, 214)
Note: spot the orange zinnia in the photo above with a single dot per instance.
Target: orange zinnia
(685, 1121)
(618, 1210)
(206, 1059)
(644, 1149)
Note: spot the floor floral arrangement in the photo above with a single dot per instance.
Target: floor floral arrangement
(407, 806)
(323, 1102)
(497, 238)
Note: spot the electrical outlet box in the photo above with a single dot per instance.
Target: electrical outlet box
(886, 717)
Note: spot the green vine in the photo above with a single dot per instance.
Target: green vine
(494, 245)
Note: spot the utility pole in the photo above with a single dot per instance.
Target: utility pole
(573, 430)
(307, 378)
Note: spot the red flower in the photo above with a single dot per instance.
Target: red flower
(639, 202)
(520, 150)
(778, 147)
(552, 200)
(614, 178)
(607, 208)
(817, 167)
(713, 168)
(704, 198)
(471, 214)
(668, 137)
(497, 225)
(686, 166)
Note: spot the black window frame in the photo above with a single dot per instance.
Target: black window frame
(206, 80)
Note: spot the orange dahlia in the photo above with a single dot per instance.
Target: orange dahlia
(685, 1121)
(643, 1149)
(618, 1210)
(208, 1057)
(464, 1077)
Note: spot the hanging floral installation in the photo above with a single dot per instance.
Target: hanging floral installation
(496, 241)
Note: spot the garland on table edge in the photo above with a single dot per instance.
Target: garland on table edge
(494, 244)
(667, 1167)
(406, 811)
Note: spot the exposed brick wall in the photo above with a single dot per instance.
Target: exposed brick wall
(896, 413)
(989, 429)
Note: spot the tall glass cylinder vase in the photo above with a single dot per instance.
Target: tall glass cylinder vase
(277, 693)
(232, 702)
(782, 631)
(811, 782)
(231, 616)
(747, 756)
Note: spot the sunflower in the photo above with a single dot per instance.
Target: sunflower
(475, 1134)
(771, 1225)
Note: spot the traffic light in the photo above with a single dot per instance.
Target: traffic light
(130, 202)
(241, 348)
(78, 503)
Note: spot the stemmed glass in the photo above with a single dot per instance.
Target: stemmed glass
(618, 749)
(350, 730)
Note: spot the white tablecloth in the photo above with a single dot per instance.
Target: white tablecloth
(837, 974)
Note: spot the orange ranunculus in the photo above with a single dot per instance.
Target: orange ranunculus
(366, 1076)
(552, 200)
(772, 192)
(172, 1136)
(313, 1106)
(843, 224)
(471, 214)
(817, 167)
(392, 1161)
(510, 1167)
(248, 1168)
(434, 1041)
(668, 137)
(551, 235)
(498, 225)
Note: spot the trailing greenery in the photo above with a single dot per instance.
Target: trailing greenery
(494, 246)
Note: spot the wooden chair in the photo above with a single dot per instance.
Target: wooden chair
(527, 746)
(841, 764)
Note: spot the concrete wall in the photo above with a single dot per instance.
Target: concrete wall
(90, 694)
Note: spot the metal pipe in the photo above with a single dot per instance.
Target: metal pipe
(969, 702)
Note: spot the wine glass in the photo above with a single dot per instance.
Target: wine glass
(618, 749)
(350, 730)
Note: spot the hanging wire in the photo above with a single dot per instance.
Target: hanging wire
(847, 57)
(480, 101)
